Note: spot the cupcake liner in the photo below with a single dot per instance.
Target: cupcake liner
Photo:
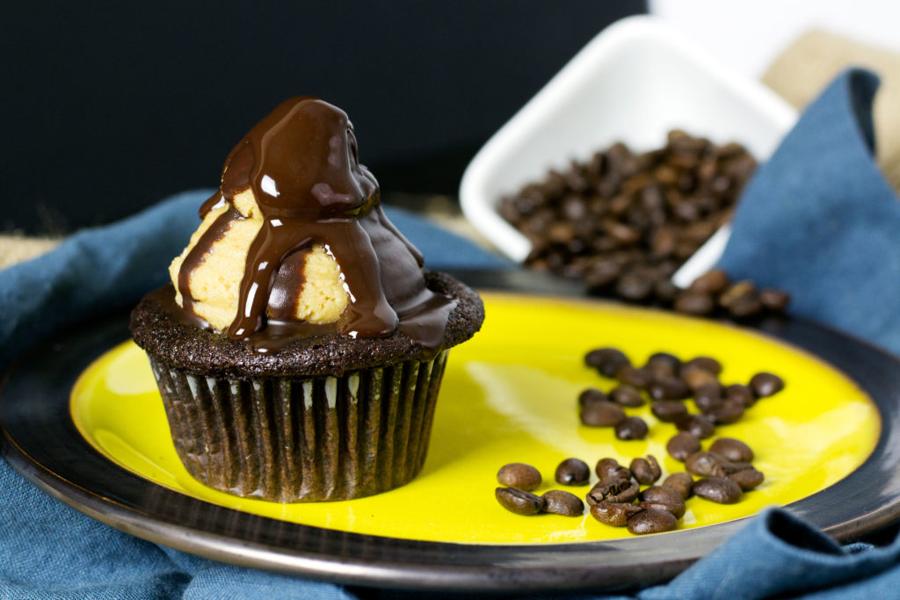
(302, 440)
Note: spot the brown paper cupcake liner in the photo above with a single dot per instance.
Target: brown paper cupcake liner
(303, 440)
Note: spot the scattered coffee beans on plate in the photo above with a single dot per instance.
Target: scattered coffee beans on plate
(632, 496)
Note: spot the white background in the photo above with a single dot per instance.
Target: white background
(748, 34)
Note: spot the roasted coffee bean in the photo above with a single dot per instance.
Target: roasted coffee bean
(706, 363)
(520, 476)
(602, 414)
(667, 387)
(518, 501)
(732, 449)
(741, 300)
(614, 514)
(766, 384)
(668, 411)
(560, 502)
(573, 471)
(591, 396)
(729, 411)
(740, 393)
(634, 286)
(774, 300)
(645, 470)
(632, 428)
(682, 445)
(614, 490)
(606, 360)
(681, 483)
(711, 282)
(637, 378)
(696, 377)
(662, 497)
(699, 426)
(626, 395)
(708, 397)
(747, 479)
(666, 291)
(694, 303)
(704, 464)
(652, 520)
(718, 489)
(663, 363)
(608, 468)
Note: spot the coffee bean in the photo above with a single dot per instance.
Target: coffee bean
(663, 363)
(573, 471)
(665, 498)
(602, 414)
(614, 490)
(694, 303)
(666, 291)
(667, 387)
(718, 489)
(614, 514)
(705, 464)
(634, 286)
(652, 520)
(696, 377)
(609, 468)
(766, 384)
(645, 470)
(774, 300)
(591, 396)
(636, 378)
(729, 411)
(606, 360)
(520, 476)
(682, 445)
(706, 363)
(747, 479)
(732, 449)
(708, 397)
(668, 411)
(560, 502)
(711, 282)
(518, 501)
(741, 299)
(740, 393)
(699, 426)
(626, 395)
(632, 428)
(681, 483)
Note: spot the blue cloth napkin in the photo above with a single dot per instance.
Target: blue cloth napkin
(820, 221)
(48, 550)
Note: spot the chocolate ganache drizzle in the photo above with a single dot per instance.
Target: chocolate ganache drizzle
(301, 163)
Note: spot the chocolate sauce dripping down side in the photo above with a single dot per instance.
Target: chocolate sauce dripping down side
(302, 164)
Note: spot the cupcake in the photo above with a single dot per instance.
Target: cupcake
(300, 347)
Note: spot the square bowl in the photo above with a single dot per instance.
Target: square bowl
(633, 82)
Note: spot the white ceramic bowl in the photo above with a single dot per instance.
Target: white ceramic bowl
(633, 82)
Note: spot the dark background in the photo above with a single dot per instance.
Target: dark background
(108, 107)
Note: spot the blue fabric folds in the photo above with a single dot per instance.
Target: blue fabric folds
(818, 220)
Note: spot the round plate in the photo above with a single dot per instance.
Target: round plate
(368, 541)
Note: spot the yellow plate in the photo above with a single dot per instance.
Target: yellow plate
(510, 395)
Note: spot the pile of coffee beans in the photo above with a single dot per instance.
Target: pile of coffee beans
(624, 222)
(631, 496)
(667, 382)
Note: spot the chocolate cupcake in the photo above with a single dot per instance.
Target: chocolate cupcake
(300, 348)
